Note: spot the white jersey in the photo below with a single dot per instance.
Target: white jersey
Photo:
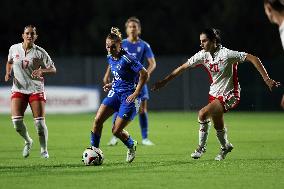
(23, 66)
(281, 31)
(222, 69)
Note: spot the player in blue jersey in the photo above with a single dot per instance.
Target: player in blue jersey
(142, 51)
(129, 77)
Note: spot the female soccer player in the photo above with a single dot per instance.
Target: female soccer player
(274, 10)
(123, 93)
(221, 64)
(135, 46)
(29, 63)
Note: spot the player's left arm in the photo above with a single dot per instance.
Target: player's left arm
(46, 66)
(150, 59)
(151, 66)
(143, 76)
(40, 72)
(260, 68)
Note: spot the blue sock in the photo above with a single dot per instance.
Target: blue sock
(129, 142)
(95, 139)
(143, 120)
(114, 118)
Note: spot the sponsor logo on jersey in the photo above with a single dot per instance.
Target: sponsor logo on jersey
(118, 66)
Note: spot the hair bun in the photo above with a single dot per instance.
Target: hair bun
(115, 31)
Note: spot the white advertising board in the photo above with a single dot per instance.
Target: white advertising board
(60, 99)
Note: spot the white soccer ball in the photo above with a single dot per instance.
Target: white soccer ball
(93, 156)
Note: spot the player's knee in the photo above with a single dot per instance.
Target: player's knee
(40, 125)
(202, 115)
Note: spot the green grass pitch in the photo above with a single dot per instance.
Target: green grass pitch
(257, 160)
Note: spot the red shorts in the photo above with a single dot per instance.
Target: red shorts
(29, 97)
(228, 102)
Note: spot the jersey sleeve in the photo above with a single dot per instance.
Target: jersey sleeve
(46, 60)
(196, 59)
(136, 66)
(236, 56)
(148, 51)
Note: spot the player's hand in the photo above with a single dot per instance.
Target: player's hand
(107, 87)
(7, 77)
(37, 73)
(156, 86)
(131, 97)
(271, 83)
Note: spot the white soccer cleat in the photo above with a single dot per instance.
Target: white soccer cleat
(131, 152)
(27, 148)
(224, 151)
(113, 141)
(147, 142)
(198, 152)
(44, 154)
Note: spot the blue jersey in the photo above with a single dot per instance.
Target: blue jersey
(125, 71)
(140, 49)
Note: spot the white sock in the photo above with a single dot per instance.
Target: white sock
(21, 128)
(203, 132)
(222, 137)
(42, 132)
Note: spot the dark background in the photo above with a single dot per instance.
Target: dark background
(73, 33)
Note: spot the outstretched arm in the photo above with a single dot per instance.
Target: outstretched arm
(159, 84)
(260, 68)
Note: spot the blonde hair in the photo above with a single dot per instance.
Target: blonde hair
(115, 34)
(133, 19)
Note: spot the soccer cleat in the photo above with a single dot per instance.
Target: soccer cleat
(27, 148)
(44, 154)
(198, 152)
(113, 141)
(147, 142)
(131, 153)
(224, 151)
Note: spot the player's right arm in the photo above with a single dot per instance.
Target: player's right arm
(171, 76)
(9, 67)
(106, 79)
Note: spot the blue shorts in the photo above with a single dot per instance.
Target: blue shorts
(144, 94)
(117, 101)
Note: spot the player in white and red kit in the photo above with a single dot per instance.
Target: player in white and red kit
(221, 64)
(29, 64)
(274, 10)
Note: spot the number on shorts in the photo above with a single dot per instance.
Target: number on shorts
(110, 93)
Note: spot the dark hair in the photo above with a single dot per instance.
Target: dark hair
(115, 35)
(277, 5)
(30, 26)
(133, 19)
(213, 34)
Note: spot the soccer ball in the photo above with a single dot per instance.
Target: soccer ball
(92, 156)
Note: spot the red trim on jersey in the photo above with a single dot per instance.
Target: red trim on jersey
(209, 74)
(235, 80)
(29, 97)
